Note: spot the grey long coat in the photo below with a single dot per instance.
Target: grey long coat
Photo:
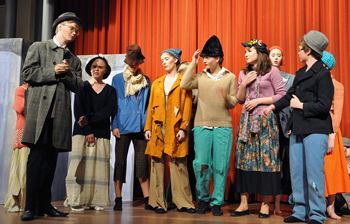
(43, 85)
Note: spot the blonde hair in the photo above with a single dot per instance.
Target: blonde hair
(67, 21)
(182, 67)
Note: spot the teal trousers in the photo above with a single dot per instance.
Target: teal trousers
(212, 153)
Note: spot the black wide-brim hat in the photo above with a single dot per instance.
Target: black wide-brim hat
(212, 48)
(88, 66)
(133, 55)
(66, 17)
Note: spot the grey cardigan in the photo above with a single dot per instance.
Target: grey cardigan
(285, 114)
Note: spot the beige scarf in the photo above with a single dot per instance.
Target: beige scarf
(133, 84)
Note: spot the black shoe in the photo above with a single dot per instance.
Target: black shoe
(188, 210)
(160, 210)
(314, 222)
(191, 210)
(202, 207)
(51, 211)
(345, 211)
(171, 206)
(236, 213)
(118, 204)
(147, 206)
(183, 209)
(292, 219)
(262, 215)
(217, 210)
(27, 215)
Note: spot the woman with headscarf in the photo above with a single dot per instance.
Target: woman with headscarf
(277, 59)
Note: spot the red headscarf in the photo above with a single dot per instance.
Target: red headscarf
(279, 48)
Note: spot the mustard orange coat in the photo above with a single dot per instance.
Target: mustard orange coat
(176, 116)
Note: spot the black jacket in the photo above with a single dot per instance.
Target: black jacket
(315, 89)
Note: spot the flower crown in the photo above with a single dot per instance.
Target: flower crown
(258, 44)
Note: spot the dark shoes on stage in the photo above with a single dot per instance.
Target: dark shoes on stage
(188, 210)
(203, 207)
(50, 211)
(292, 219)
(118, 204)
(160, 210)
(147, 206)
(27, 215)
(242, 213)
(171, 206)
(246, 212)
(217, 210)
(263, 215)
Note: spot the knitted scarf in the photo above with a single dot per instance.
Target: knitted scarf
(133, 84)
(254, 128)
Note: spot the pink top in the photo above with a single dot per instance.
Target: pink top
(18, 106)
(271, 85)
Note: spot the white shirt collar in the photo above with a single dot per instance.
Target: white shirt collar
(218, 76)
(57, 43)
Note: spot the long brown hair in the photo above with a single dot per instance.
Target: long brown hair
(263, 64)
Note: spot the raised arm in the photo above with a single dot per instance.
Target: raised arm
(189, 81)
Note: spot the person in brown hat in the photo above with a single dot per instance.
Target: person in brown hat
(52, 72)
(133, 91)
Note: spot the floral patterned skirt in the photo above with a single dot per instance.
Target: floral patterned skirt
(257, 162)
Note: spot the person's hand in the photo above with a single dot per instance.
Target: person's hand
(180, 136)
(221, 93)
(251, 104)
(90, 138)
(62, 68)
(148, 135)
(267, 110)
(295, 102)
(83, 121)
(289, 132)
(116, 132)
(249, 78)
(195, 57)
(331, 138)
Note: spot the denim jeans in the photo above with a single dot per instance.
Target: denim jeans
(212, 147)
(307, 175)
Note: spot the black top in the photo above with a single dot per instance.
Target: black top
(315, 89)
(98, 108)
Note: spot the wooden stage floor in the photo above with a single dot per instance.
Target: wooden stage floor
(133, 212)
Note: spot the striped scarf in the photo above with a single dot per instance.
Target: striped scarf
(254, 113)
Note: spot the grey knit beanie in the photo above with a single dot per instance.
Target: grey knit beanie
(317, 41)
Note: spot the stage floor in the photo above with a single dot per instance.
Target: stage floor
(134, 212)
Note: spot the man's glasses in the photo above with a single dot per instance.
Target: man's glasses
(72, 29)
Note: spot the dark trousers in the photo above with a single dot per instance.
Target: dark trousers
(41, 167)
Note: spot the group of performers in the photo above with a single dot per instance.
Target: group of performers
(289, 125)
